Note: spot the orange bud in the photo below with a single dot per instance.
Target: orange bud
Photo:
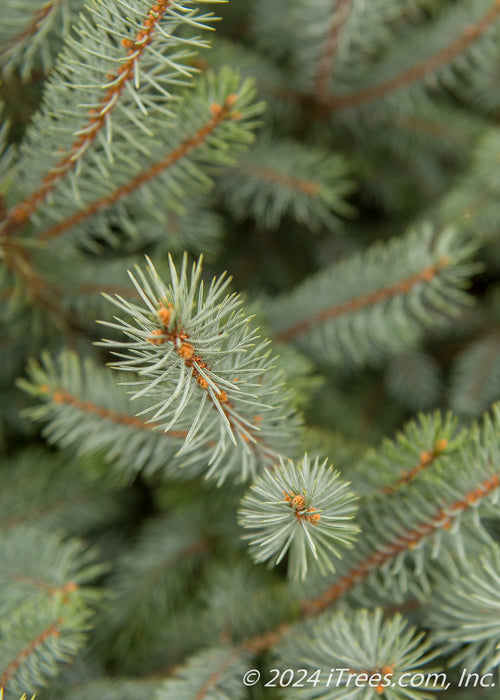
(428, 273)
(425, 458)
(165, 314)
(441, 445)
(186, 351)
(231, 99)
(215, 109)
(314, 516)
(159, 338)
(299, 502)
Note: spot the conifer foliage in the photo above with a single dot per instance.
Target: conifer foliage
(234, 265)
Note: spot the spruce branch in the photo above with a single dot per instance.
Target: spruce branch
(44, 607)
(470, 34)
(348, 311)
(418, 447)
(326, 63)
(39, 565)
(338, 43)
(35, 641)
(267, 600)
(55, 292)
(407, 527)
(415, 84)
(463, 614)
(215, 121)
(375, 650)
(84, 408)
(197, 360)
(299, 507)
(280, 177)
(23, 282)
(135, 70)
(32, 33)
(209, 675)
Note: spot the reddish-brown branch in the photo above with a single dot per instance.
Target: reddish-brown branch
(307, 187)
(22, 212)
(215, 675)
(217, 397)
(430, 127)
(442, 518)
(219, 114)
(51, 631)
(262, 642)
(64, 397)
(37, 18)
(65, 589)
(170, 671)
(363, 301)
(326, 65)
(425, 461)
(471, 34)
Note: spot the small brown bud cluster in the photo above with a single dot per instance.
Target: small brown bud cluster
(183, 348)
(161, 335)
(298, 503)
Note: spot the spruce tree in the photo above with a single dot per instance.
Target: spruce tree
(250, 349)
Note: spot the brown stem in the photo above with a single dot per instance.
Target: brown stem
(471, 34)
(363, 301)
(66, 588)
(217, 397)
(215, 675)
(51, 631)
(22, 212)
(426, 460)
(442, 518)
(307, 187)
(429, 127)
(327, 61)
(219, 114)
(64, 397)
